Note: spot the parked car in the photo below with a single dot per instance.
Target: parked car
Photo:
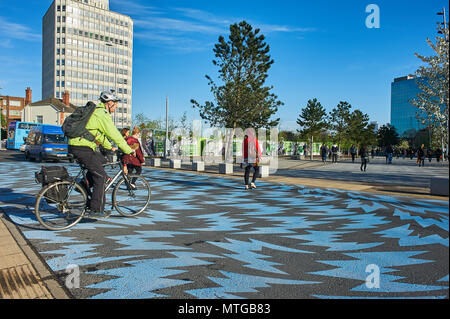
(47, 142)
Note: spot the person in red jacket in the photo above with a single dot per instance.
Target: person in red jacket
(252, 157)
(134, 163)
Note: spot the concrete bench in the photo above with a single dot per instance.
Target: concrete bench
(225, 168)
(174, 163)
(198, 166)
(439, 186)
(156, 162)
(263, 171)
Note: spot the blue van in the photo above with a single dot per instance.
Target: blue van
(47, 142)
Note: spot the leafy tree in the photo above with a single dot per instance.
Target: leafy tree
(433, 100)
(338, 119)
(288, 136)
(357, 127)
(242, 100)
(387, 135)
(312, 120)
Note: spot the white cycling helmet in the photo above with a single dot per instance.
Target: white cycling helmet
(109, 95)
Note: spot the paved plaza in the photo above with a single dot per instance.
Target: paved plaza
(205, 237)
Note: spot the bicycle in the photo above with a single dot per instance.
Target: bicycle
(63, 204)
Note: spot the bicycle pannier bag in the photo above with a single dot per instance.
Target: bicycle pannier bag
(51, 174)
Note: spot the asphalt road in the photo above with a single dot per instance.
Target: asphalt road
(205, 237)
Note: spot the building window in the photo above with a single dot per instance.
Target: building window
(40, 118)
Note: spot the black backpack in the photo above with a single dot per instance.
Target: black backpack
(75, 125)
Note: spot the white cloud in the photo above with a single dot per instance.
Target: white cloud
(185, 29)
(11, 30)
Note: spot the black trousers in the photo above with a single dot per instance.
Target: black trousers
(96, 174)
(353, 157)
(363, 163)
(133, 168)
(247, 173)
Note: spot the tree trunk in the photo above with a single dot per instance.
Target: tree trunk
(311, 147)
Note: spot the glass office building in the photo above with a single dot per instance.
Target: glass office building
(87, 49)
(403, 113)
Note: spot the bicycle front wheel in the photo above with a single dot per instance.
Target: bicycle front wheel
(131, 201)
(60, 205)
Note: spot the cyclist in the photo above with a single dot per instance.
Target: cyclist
(102, 127)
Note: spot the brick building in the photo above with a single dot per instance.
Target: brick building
(12, 106)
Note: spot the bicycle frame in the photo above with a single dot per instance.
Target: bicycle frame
(109, 184)
(117, 176)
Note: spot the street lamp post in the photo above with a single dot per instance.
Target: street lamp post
(166, 142)
(111, 44)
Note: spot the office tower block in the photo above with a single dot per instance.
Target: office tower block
(87, 49)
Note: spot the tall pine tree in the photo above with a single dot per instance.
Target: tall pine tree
(312, 121)
(243, 100)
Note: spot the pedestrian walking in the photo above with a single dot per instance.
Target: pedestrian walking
(364, 157)
(334, 153)
(438, 154)
(429, 154)
(421, 156)
(133, 162)
(324, 152)
(353, 152)
(389, 153)
(252, 157)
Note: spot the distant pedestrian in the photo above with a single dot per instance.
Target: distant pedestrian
(149, 144)
(252, 157)
(133, 164)
(334, 153)
(389, 153)
(421, 156)
(353, 152)
(372, 152)
(364, 157)
(438, 154)
(324, 152)
(429, 154)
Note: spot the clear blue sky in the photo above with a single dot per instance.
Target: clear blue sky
(322, 49)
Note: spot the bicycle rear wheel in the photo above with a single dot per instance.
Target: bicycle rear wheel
(131, 201)
(60, 205)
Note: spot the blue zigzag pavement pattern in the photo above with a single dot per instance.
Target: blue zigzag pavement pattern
(205, 237)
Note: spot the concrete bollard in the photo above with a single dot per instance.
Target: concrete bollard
(225, 168)
(156, 162)
(174, 163)
(198, 166)
(439, 186)
(263, 171)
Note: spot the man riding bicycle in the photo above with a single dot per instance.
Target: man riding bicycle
(102, 127)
